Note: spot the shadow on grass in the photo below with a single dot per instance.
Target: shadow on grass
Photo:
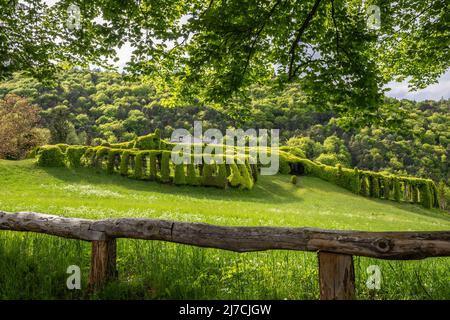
(268, 189)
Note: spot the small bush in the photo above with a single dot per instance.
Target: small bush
(153, 169)
(374, 187)
(124, 159)
(221, 179)
(364, 186)
(425, 195)
(386, 188)
(397, 190)
(356, 187)
(247, 181)
(285, 168)
(112, 154)
(235, 178)
(50, 156)
(294, 180)
(137, 172)
(415, 194)
(255, 171)
(165, 166)
(179, 178)
(192, 178)
(100, 154)
(208, 178)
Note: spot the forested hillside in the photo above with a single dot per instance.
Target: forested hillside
(98, 107)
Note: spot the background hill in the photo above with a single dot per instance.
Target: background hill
(83, 107)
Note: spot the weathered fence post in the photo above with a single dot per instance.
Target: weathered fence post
(103, 263)
(336, 276)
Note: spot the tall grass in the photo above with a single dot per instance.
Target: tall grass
(34, 267)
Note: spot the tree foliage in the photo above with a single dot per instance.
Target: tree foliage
(214, 50)
(18, 127)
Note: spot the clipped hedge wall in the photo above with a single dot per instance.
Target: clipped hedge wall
(74, 155)
(148, 142)
(50, 156)
(165, 166)
(372, 184)
(156, 165)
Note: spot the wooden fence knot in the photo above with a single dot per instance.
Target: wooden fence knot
(383, 245)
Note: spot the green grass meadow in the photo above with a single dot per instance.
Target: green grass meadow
(33, 266)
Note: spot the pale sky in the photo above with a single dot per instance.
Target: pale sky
(432, 92)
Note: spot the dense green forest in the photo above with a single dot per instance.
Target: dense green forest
(96, 107)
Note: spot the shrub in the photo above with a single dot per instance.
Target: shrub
(285, 168)
(296, 151)
(235, 178)
(63, 147)
(137, 172)
(50, 156)
(165, 166)
(123, 145)
(415, 193)
(397, 190)
(330, 159)
(340, 178)
(179, 178)
(364, 186)
(221, 179)
(148, 142)
(434, 194)
(374, 187)
(153, 170)
(192, 178)
(124, 160)
(356, 187)
(207, 175)
(88, 157)
(74, 154)
(386, 188)
(32, 153)
(254, 169)
(294, 180)
(247, 181)
(425, 195)
(99, 155)
(164, 145)
(442, 192)
(112, 153)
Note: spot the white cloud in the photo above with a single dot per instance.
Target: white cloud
(436, 91)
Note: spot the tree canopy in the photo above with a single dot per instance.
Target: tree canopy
(214, 50)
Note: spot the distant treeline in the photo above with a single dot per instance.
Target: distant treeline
(92, 108)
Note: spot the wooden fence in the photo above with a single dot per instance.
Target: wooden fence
(335, 248)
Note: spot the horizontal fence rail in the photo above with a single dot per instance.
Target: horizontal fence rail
(335, 247)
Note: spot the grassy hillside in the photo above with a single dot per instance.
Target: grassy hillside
(34, 266)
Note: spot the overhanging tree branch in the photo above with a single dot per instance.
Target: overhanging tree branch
(298, 36)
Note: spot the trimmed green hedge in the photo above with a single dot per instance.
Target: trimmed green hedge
(180, 176)
(148, 142)
(372, 184)
(165, 166)
(244, 175)
(74, 155)
(50, 156)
